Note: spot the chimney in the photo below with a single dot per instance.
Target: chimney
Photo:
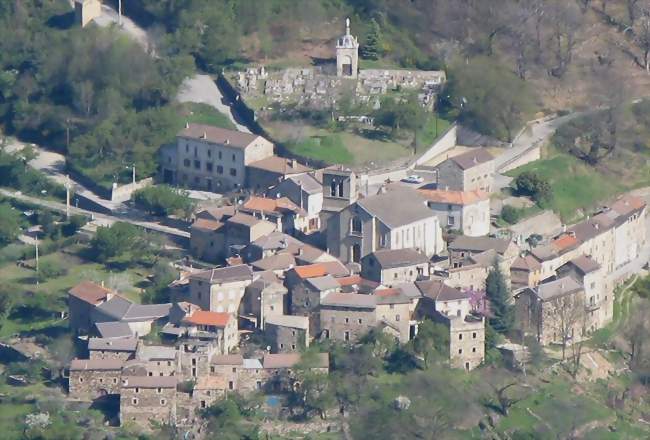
(102, 283)
(294, 163)
(597, 226)
(204, 135)
(227, 142)
(300, 251)
(187, 124)
(563, 228)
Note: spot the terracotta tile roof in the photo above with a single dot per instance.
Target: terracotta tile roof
(311, 270)
(280, 165)
(217, 135)
(202, 317)
(472, 158)
(565, 242)
(391, 296)
(266, 204)
(454, 197)
(90, 292)
(206, 224)
(527, 262)
(349, 280)
(439, 291)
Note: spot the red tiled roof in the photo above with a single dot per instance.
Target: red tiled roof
(202, 317)
(565, 242)
(454, 197)
(90, 292)
(206, 224)
(349, 281)
(311, 270)
(270, 205)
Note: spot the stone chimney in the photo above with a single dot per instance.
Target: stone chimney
(204, 135)
(227, 142)
(294, 163)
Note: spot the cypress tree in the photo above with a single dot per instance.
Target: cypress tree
(502, 311)
(372, 46)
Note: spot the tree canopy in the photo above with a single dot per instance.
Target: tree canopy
(498, 293)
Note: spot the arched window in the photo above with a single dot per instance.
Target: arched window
(333, 188)
(356, 225)
(340, 189)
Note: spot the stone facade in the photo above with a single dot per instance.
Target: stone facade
(218, 295)
(94, 378)
(347, 54)
(287, 334)
(466, 342)
(213, 159)
(147, 399)
(346, 324)
(469, 171)
(466, 212)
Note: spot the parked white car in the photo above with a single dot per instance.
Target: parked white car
(413, 178)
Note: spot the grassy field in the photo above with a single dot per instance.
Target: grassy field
(198, 113)
(577, 187)
(350, 148)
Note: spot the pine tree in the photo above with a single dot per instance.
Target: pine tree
(372, 47)
(501, 309)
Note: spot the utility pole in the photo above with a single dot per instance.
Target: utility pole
(67, 196)
(37, 271)
(134, 173)
(119, 12)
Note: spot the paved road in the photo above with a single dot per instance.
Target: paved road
(203, 89)
(103, 218)
(52, 164)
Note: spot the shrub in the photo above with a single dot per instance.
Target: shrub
(510, 214)
(531, 184)
(75, 223)
(163, 200)
(50, 269)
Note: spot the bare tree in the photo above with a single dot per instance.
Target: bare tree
(565, 21)
(503, 399)
(567, 316)
(632, 9)
(642, 39)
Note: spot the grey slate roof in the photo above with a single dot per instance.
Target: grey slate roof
(292, 321)
(229, 274)
(114, 329)
(309, 184)
(585, 264)
(156, 352)
(149, 381)
(121, 309)
(397, 207)
(479, 244)
(390, 258)
(321, 284)
(557, 288)
(283, 260)
(351, 300)
(472, 158)
(125, 344)
(96, 364)
(227, 359)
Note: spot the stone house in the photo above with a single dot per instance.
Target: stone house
(82, 299)
(553, 312)
(306, 192)
(219, 327)
(469, 171)
(278, 242)
(280, 369)
(393, 219)
(264, 298)
(221, 289)
(208, 390)
(463, 247)
(266, 173)
(472, 271)
(153, 360)
(92, 378)
(347, 317)
(139, 317)
(122, 349)
(112, 330)
(145, 399)
(599, 301)
(393, 313)
(525, 271)
(287, 333)
(394, 266)
(241, 375)
(453, 308)
(286, 215)
(242, 229)
(465, 211)
(214, 159)
(207, 240)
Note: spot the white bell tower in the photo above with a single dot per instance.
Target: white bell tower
(347, 54)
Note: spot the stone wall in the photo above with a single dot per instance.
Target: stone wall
(103, 354)
(93, 383)
(286, 339)
(346, 324)
(444, 143)
(141, 406)
(124, 192)
(528, 156)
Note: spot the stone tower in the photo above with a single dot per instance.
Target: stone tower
(347, 54)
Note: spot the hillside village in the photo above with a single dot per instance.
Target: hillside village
(305, 257)
(270, 265)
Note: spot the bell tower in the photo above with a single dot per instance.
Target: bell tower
(347, 54)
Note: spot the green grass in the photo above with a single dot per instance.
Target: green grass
(575, 185)
(328, 148)
(198, 113)
(434, 127)
(11, 419)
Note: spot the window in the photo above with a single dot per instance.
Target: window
(346, 336)
(134, 401)
(460, 337)
(347, 320)
(395, 276)
(460, 351)
(259, 384)
(151, 373)
(473, 349)
(355, 225)
(293, 333)
(474, 335)
(81, 379)
(208, 166)
(137, 390)
(360, 321)
(159, 390)
(163, 402)
(383, 239)
(209, 153)
(115, 380)
(233, 157)
(231, 385)
(451, 220)
(203, 405)
(187, 148)
(234, 369)
(196, 152)
(293, 346)
(211, 369)
(101, 380)
(396, 317)
(233, 172)
(219, 169)
(333, 189)
(194, 362)
(197, 164)
(219, 155)
(281, 346)
(186, 162)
